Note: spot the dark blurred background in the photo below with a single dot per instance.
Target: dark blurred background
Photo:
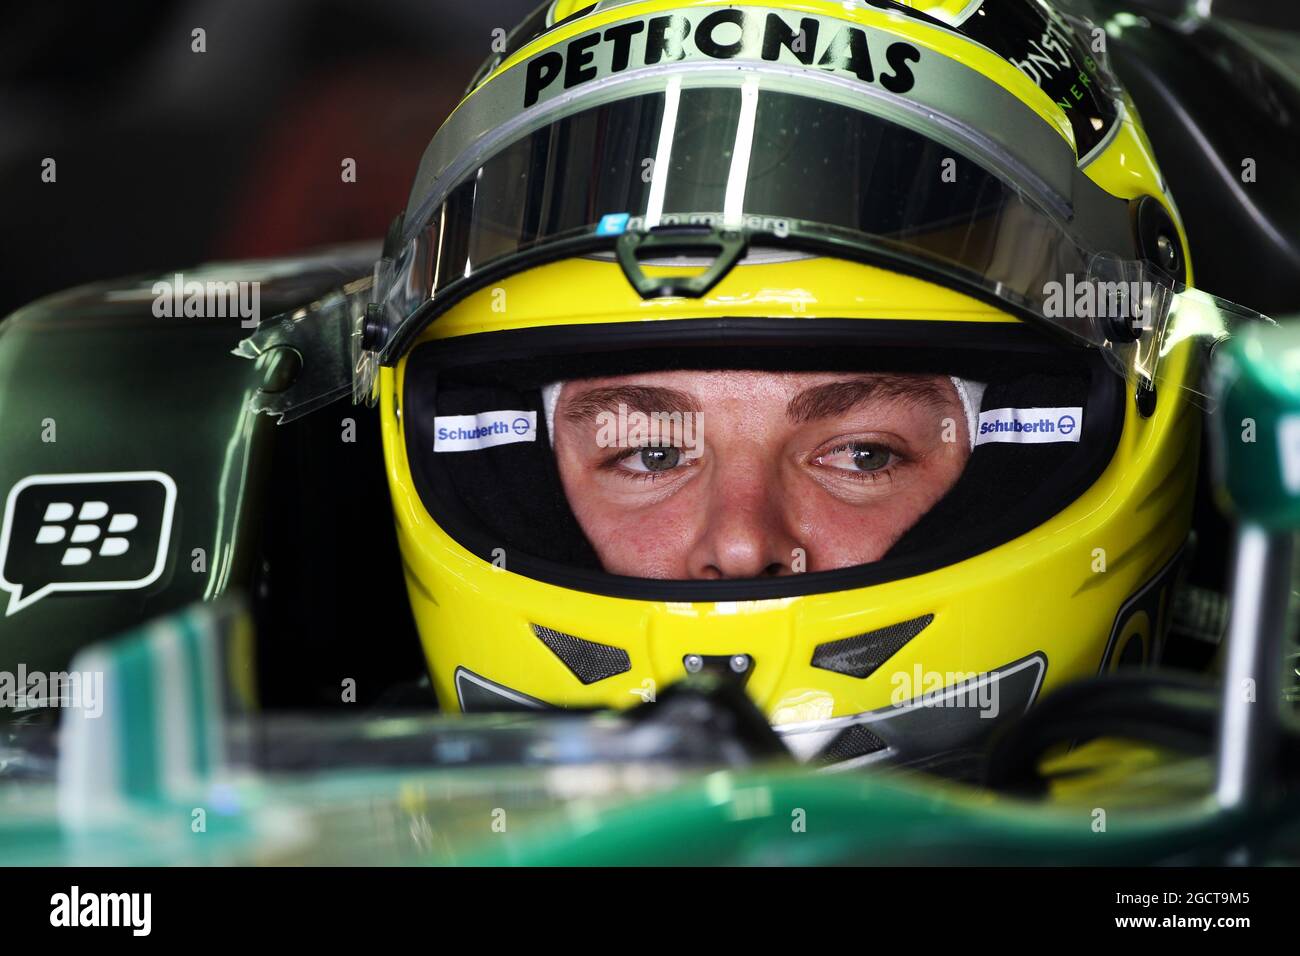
(167, 157)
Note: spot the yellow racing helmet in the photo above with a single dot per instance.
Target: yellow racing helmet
(958, 188)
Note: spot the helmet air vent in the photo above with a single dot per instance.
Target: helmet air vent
(856, 741)
(589, 661)
(860, 656)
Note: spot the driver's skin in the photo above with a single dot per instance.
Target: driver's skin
(800, 471)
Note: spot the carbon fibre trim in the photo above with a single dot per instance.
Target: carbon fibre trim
(861, 655)
(590, 662)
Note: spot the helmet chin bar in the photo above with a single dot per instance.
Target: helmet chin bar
(926, 723)
(943, 724)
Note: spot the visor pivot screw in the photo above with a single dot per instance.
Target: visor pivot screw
(1168, 253)
(1157, 238)
(374, 330)
(694, 663)
(1146, 398)
(740, 663)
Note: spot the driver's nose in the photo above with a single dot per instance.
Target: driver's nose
(746, 534)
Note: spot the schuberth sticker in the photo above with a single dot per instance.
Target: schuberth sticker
(1029, 426)
(485, 430)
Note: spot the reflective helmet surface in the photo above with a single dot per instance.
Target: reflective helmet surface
(955, 187)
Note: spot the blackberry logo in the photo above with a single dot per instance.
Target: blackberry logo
(88, 530)
(84, 533)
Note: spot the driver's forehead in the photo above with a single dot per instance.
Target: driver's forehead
(757, 390)
(716, 383)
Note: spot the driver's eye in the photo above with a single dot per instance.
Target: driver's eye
(858, 457)
(659, 459)
(870, 457)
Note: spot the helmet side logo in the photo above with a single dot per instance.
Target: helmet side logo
(824, 43)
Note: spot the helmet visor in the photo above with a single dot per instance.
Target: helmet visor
(769, 158)
(739, 157)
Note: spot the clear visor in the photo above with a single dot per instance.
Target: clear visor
(755, 159)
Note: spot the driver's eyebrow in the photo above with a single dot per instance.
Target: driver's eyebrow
(638, 398)
(838, 398)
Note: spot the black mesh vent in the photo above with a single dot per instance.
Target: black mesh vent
(856, 741)
(588, 660)
(860, 656)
